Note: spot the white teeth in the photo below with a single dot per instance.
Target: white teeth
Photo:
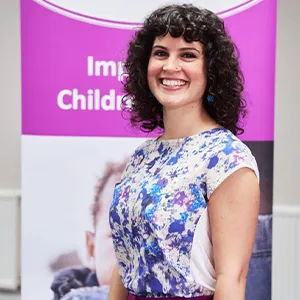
(173, 82)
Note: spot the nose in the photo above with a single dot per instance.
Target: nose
(171, 65)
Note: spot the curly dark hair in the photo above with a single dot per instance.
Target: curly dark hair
(225, 81)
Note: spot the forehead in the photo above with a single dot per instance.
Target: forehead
(178, 42)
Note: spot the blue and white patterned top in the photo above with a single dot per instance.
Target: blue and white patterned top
(157, 206)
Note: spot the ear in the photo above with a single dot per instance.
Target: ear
(90, 246)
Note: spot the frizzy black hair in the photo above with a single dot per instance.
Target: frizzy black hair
(224, 77)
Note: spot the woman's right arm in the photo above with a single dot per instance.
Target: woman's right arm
(117, 291)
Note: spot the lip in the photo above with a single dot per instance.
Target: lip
(172, 78)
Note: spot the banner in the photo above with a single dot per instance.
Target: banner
(75, 139)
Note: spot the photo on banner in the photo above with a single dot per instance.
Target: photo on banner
(68, 242)
(76, 140)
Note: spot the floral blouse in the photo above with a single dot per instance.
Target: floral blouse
(158, 215)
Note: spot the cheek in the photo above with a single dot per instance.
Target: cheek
(105, 260)
(102, 232)
(104, 249)
(153, 70)
(198, 75)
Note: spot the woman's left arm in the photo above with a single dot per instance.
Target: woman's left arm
(233, 213)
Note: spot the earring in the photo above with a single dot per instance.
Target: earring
(210, 98)
(151, 95)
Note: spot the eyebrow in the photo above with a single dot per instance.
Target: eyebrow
(181, 49)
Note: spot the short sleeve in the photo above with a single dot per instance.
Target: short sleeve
(228, 158)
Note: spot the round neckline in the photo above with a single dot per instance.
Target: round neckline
(177, 140)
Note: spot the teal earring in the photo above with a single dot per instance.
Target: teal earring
(210, 98)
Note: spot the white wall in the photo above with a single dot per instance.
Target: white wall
(10, 95)
(287, 115)
(10, 143)
(286, 199)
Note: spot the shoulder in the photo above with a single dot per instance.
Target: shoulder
(226, 154)
(88, 293)
(225, 146)
(72, 278)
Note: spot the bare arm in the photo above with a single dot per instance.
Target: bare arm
(117, 291)
(233, 213)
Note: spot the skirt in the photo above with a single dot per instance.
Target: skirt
(133, 297)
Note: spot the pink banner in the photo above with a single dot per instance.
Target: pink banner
(71, 72)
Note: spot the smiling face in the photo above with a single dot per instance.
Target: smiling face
(176, 72)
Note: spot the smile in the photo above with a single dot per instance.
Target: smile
(171, 83)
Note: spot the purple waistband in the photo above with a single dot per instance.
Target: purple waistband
(133, 297)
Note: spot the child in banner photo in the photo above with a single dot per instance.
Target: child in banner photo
(91, 281)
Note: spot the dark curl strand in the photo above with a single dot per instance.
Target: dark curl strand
(224, 78)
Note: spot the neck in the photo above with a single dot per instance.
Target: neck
(185, 121)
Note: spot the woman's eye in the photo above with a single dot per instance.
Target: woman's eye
(189, 55)
(160, 53)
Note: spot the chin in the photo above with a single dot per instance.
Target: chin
(173, 103)
(104, 275)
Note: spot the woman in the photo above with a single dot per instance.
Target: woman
(184, 213)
